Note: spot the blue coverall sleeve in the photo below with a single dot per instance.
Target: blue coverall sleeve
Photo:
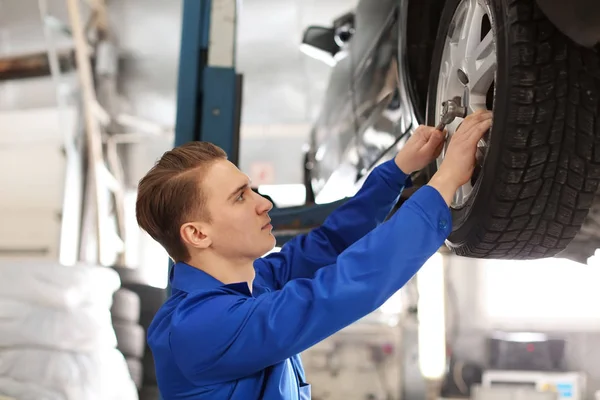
(221, 337)
(302, 256)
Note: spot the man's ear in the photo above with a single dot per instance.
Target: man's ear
(194, 234)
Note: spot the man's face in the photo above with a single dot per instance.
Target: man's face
(240, 224)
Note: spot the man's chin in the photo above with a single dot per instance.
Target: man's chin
(271, 248)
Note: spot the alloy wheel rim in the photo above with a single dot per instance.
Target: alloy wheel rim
(468, 70)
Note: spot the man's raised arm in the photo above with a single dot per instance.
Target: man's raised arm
(302, 256)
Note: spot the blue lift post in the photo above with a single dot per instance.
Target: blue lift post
(209, 97)
(209, 89)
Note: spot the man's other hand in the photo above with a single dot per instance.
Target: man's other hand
(420, 150)
(459, 160)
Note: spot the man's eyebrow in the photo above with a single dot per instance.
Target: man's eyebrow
(239, 189)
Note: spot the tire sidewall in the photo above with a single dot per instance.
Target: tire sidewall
(465, 219)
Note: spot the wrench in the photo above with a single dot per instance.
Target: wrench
(450, 110)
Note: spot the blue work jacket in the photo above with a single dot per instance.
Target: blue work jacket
(213, 341)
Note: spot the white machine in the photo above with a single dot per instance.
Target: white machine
(568, 385)
(509, 393)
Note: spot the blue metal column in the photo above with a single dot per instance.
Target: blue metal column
(208, 88)
(192, 60)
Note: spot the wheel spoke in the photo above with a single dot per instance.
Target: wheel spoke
(470, 31)
(463, 193)
(445, 71)
(481, 70)
(466, 20)
(457, 53)
(484, 48)
(455, 41)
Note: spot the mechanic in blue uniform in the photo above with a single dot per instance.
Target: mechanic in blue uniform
(235, 322)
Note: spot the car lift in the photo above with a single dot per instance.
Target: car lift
(209, 95)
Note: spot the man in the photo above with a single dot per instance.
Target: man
(235, 322)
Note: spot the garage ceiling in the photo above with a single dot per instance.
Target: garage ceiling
(282, 86)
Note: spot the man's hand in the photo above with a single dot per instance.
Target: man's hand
(459, 161)
(422, 148)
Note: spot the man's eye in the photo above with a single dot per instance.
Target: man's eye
(240, 197)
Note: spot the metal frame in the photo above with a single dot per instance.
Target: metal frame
(209, 89)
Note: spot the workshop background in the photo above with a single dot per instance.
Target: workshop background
(377, 358)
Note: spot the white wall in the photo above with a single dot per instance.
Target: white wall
(548, 294)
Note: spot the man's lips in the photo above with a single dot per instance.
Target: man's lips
(267, 225)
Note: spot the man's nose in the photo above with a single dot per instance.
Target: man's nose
(264, 205)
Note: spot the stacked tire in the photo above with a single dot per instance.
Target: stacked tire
(150, 299)
(131, 336)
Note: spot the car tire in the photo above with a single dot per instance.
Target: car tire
(149, 368)
(126, 306)
(135, 368)
(540, 170)
(150, 393)
(129, 275)
(152, 298)
(131, 339)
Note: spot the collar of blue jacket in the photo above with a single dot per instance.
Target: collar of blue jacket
(188, 279)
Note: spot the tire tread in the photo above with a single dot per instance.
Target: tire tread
(551, 163)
